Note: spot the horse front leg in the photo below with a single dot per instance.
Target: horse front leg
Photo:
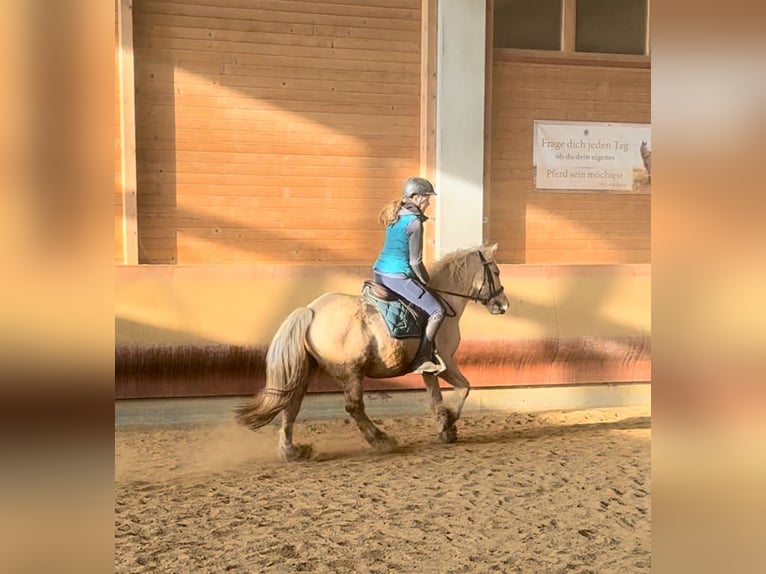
(353, 392)
(445, 418)
(462, 387)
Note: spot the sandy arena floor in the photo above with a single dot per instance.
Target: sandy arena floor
(556, 492)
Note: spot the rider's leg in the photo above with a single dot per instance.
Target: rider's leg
(425, 360)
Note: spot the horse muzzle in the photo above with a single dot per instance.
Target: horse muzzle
(498, 306)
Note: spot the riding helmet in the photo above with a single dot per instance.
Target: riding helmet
(417, 186)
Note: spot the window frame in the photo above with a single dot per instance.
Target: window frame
(567, 54)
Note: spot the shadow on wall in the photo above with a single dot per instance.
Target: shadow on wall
(241, 111)
(128, 331)
(272, 136)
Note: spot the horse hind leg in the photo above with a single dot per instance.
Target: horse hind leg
(286, 449)
(353, 392)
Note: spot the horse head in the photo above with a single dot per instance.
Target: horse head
(488, 288)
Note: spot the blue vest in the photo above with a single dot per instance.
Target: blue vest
(395, 255)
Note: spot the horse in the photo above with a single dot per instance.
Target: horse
(347, 337)
(646, 157)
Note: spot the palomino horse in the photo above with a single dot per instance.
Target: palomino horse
(346, 336)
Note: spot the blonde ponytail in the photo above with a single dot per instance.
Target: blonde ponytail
(390, 213)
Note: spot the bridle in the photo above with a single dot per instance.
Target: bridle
(488, 281)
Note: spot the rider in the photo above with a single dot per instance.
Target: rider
(400, 268)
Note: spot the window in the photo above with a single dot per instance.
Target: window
(530, 24)
(611, 26)
(603, 26)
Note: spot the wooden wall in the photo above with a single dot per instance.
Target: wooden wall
(118, 256)
(566, 228)
(272, 131)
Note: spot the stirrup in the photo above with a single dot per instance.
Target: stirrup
(429, 366)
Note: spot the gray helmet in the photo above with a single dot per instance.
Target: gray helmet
(417, 186)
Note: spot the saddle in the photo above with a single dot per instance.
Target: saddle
(403, 319)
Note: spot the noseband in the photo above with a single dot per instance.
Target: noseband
(488, 281)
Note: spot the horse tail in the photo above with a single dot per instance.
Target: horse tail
(287, 367)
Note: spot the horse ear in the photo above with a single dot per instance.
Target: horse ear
(489, 250)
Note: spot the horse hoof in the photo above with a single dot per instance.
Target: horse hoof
(296, 452)
(446, 417)
(384, 444)
(448, 435)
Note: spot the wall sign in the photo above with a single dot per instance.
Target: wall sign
(596, 156)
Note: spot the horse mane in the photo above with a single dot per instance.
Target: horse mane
(455, 264)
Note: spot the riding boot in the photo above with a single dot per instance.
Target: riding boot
(426, 360)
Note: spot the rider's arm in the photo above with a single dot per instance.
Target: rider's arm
(415, 237)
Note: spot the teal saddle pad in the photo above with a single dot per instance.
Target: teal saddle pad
(403, 319)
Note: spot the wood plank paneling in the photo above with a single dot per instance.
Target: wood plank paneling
(362, 14)
(219, 31)
(565, 228)
(118, 240)
(176, 30)
(273, 130)
(126, 91)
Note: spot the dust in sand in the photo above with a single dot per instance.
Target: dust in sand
(157, 453)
